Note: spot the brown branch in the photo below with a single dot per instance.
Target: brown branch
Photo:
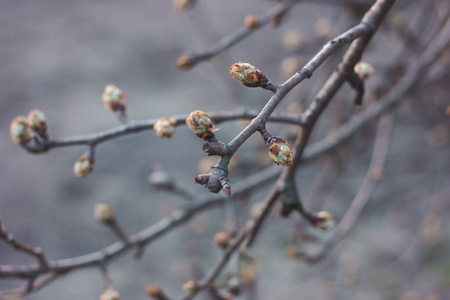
(187, 61)
(379, 156)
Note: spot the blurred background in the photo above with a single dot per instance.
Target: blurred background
(58, 56)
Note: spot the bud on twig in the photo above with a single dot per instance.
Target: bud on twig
(36, 120)
(190, 286)
(364, 70)
(180, 5)
(164, 127)
(114, 99)
(248, 75)
(251, 21)
(185, 61)
(221, 239)
(280, 151)
(200, 123)
(19, 130)
(323, 221)
(84, 165)
(103, 213)
(110, 295)
(155, 292)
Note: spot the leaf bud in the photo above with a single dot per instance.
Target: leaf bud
(84, 165)
(185, 61)
(180, 5)
(113, 98)
(190, 286)
(280, 151)
(103, 213)
(292, 40)
(110, 295)
(247, 74)
(364, 70)
(164, 127)
(37, 121)
(221, 239)
(251, 21)
(324, 221)
(154, 291)
(200, 123)
(20, 131)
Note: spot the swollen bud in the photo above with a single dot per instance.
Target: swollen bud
(364, 70)
(180, 5)
(324, 221)
(200, 123)
(154, 291)
(247, 74)
(20, 131)
(37, 121)
(84, 165)
(190, 286)
(103, 213)
(185, 61)
(114, 99)
(251, 21)
(164, 127)
(110, 295)
(221, 239)
(280, 151)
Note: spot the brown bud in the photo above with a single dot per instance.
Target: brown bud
(164, 127)
(251, 21)
(103, 213)
(200, 123)
(113, 98)
(280, 151)
(324, 221)
(110, 295)
(247, 74)
(154, 291)
(364, 70)
(221, 239)
(180, 5)
(185, 61)
(36, 120)
(190, 286)
(84, 165)
(19, 130)
(292, 40)
(322, 28)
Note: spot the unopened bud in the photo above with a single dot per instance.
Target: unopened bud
(292, 40)
(180, 5)
(19, 130)
(164, 127)
(324, 221)
(154, 291)
(185, 61)
(280, 151)
(36, 120)
(251, 21)
(103, 213)
(190, 286)
(110, 295)
(84, 165)
(248, 273)
(322, 28)
(247, 74)
(221, 239)
(200, 123)
(364, 70)
(114, 99)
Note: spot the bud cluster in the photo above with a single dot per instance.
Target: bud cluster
(248, 75)
(165, 127)
(22, 129)
(280, 151)
(84, 165)
(114, 99)
(201, 124)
